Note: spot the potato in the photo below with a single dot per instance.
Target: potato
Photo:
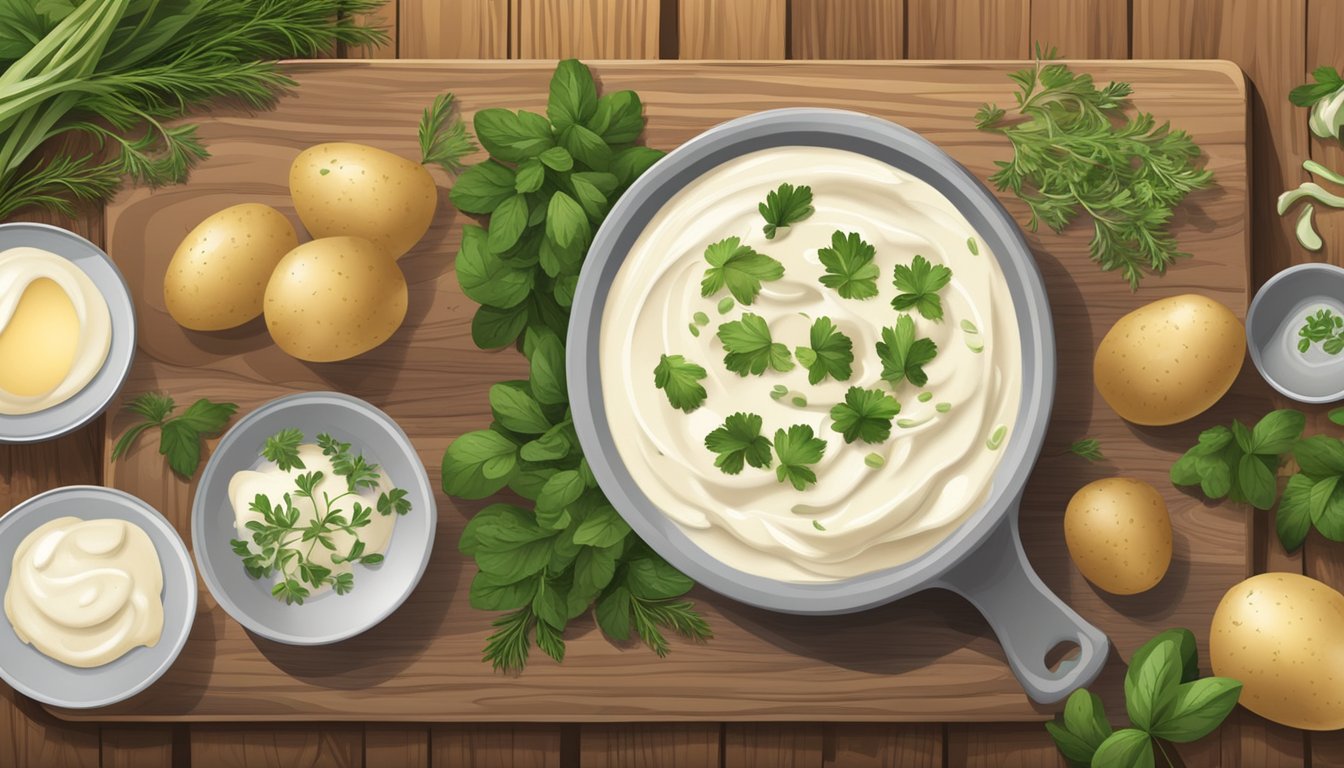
(218, 275)
(1170, 360)
(1119, 534)
(356, 190)
(334, 298)
(1282, 636)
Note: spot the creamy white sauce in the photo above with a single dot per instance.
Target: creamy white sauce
(274, 483)
(84, 592)
(938, 469)
(19, 268)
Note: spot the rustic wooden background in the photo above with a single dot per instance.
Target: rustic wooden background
(1275, 41)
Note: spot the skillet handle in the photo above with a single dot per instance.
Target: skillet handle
(1028, 618)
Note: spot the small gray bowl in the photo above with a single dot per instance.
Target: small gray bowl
(1277, 312)
(87, 404)
(38, 676)
(380, 590)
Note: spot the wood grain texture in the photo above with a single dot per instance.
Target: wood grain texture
(733, 29)
(587, 29)
(33, 738)
(252, 746)
(439, 29)
(131, 746)
(385, 18)
(1082, 29)
(1001, 746)
(968, 29)
(396, 746)
(772, 745)
(650, 745)
(423, 663)
(847, 29)
(487, 746)
(884, 746)
(1254, 742)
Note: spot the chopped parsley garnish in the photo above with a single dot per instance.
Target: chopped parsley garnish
(739, 441)
(831, 353)
(785, 206)
(850, 268)
(919, 285)
(903, 356)
(865, 415)
(738, 267)
(796, 449)
(680, 381)
(1324, 328)
(750, 348)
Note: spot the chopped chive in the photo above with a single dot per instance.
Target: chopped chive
(725, 306)
(817, 524)
(925, 397)
(909, 423)
(694, 330)
(324, 171)
(975, 345)
(969, 327)
(778, 391)
(800, 401)
(996, 437)
(943, 407)
(972, 246)
(874, 460)
(700, 318)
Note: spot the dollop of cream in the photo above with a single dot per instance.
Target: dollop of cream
(865, 513)
(85, 592)
(44, 365)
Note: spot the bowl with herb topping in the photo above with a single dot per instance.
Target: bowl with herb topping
(314, 519)
(1295, 332)
(811, 363)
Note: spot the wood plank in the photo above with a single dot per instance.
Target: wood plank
(772, 745)
(31, 737)
(968, 29)
(517, 746)
(650, 745)
(467, 29)
(130, 746)
(214, 746)
(760, 666)
(384, 18)
(733, 29)
(847, 29)
(1001, 745)
(1082, 29)
(884, 746)
(586, 29)
(396, 746)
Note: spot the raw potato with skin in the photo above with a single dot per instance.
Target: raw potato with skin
(1282, 636)
(1118, 533)
(217, 277)
(1170, 360)
(357, 190)
(334, 298)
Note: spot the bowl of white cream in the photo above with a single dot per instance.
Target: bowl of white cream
(67, 332)
(99, 596)
(1295, 332)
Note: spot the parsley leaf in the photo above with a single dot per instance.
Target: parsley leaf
(831, 353)
(785, 206)
(680, 381)
(850, 268)
(903, 356)
(739, 440)
(919, 285)
(1325, 328)
(750, 347)
(796, 449)
(283, 449)
(739, 267)
(179, 437)
(866, 414)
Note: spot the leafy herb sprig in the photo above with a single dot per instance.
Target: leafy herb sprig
(919, 285)
(443, 138)
(785, 207)
(1075, 151)
(179, 436)
(1165, 698)
(903, 355)
(740, 268)
(1088, 448)
(1324, 100)
(547, 187)
(849, 264)
(1240, 463)
(1324, 328)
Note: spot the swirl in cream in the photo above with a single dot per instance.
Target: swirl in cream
(936, 468)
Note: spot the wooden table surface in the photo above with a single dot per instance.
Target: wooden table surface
(1276, 43)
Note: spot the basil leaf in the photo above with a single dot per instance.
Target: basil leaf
(482, 187)
(517, 410)
(489, 593)
(1074, 749)
(552, 446)
(513, 137)
(1337, 416)
(564, 488)
(1085, 717)
(565, 287)
(1277, 432)
(631, 163)
(573, 97)
(602, 528)
(550, 605)
(586, 147)
(530, 479)
(485, 277)
(619, 117)
(1320, 456)
(1256, 482)
(1213, 440)
(1292, 520)
(613, 614)
(589, 197)
(206, 417)
(1331, 521)
(1199, 708)
(511, 554)
(478, 464)
(594, 569)
(547, 379)
(1186, 650)
(530, 176)
(566, 223)
(652, 578)
(507, 224)
(1242, 436)
(1215, 476)
(495, 327)
(1150, 683)
(557, 159)
(1126, 748)
(1185, 471)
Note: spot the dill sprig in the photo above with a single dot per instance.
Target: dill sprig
(443, 140)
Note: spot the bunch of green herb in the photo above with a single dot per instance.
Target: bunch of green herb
(1324, 328)
(180, 436)
(1241, 463)
(1088, 448)
(1165, 698)
(1314, 496)
(1325, 99)
(120, 70)
(547, 187)
(283, 545)
(739, 442)
(1076, 151)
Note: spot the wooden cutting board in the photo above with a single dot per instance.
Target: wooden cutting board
(930, 657)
